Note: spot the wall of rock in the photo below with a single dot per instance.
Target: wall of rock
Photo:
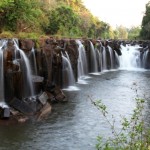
(48, 77)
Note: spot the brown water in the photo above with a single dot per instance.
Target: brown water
(76, 124)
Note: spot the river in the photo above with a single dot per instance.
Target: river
(76, 124)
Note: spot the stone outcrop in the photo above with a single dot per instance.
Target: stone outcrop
(48, 78)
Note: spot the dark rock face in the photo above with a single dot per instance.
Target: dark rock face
(116, 47)
(21, 106)
(147, 63)
(26, 45)
(49, 78)
(49, 59)
(88, 49)
(13, 85)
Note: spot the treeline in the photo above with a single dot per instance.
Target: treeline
(69, 18)
(145, 27)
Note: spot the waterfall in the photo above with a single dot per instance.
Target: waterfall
(1, 76)
(104, 59)
(117, 62)
(3, 44)
(93, 59)
(130, 58)
(99, 60)
(82, 60)
(67, 57)
(144, 59)
(26, 69)
(34, 61)
(111, 57)
(68, 75)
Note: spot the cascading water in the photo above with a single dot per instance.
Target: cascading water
(104, 59)
(111, 57)
(26, 69)
(2, 44)
(130, 58)
(94, 65)
(144, 59)
(99, 60)
(34, 62)
(1, 77)
(67, 57)
(117, 62)
(82, 61)
(68, 75)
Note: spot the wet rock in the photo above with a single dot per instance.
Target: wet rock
(44, 112)
(4, 111)
(55, 93)
(37, 78)
(43, 98)
(26, 45)
(13, 85)
(61, 97)
(87, 49)
(58, 94)
(51, 97)
(32, 102)
(22, 119)
(116, 47)
(21, 106)
(18, 117)
(37, 83)
(57, 66)
(14, 112)
(10, 67)
(48, 54)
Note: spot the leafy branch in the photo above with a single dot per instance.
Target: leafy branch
(132, 136)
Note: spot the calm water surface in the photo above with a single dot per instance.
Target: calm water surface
(75, 125)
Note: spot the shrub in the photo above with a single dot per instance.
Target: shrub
(133, 134)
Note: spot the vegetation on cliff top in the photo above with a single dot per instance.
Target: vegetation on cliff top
(68, 18)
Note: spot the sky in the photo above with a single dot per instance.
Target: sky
(127, 13)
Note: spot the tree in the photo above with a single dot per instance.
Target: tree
(20, 15)
(116, 34)
(145, 27)
(63, 20)
(133, 33)
(122, 32)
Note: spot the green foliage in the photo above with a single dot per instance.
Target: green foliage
(6, 34)
(30, 35)
(63, 20)
(122, 32)
(133, 134)
(145, 30)
(68, 18)
(133, 33)
(19, 15)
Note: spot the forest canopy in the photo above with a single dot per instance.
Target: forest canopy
(69, 18)
(145, 27)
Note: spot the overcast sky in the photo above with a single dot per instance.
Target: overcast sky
(118, 12)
